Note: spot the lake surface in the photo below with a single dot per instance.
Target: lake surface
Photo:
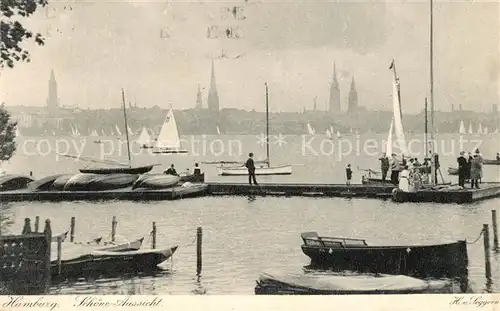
(242, 236)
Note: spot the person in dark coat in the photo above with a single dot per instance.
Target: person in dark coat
(171, 171)
(384, 165)
(251, 169)
(394, 170)
(469, 162)
(196, 170)
(462, 169)
(348, 174)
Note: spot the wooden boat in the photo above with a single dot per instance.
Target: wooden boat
(14, 182)
(61, 181)
(325, 284)
(79, 182)
(168, 141)
(45, 183)
(491, 162)
(111, 181)
(265, 168)
(437, 260)
(193, 178)
(452, 171)
(109, 263)
(156, 181)
(186, 190)
(118, 170)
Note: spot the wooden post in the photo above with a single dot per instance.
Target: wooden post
(27, 226)
(37, 223)
(72, 230)
(199, 237)
(113, 229)
(48, 240)
(59, 254)
(486, 240)
(154, 235)
(495, 232)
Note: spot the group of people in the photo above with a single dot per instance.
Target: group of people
(172, 171)
(396, 166)
(470, 167)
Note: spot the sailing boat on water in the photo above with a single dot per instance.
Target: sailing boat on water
(265, 169)
(168, 141)
(480, 129)
(461, 130)
(144, 139)
(123, 168)
(310, 129)
(470, 129)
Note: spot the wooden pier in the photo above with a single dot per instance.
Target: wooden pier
(487, 191)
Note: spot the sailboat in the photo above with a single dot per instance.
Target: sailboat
(462, 127)
(168, 141)
(338, 134)
(480, 129)
(118, 130)
(485, 130)
(144, 139)
(124, 168)
(218, 130)
(328, 133)
(470, 129)
(265, 169)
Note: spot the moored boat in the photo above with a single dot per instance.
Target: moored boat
(45, 183)
(194, 178)
(13, 182)
(242, 170)
(79, 182)
(491, 162)
(432, 260)
(107, 263)
(118, 170)
(168, 141)
(326, 284)
(112, 181)
(61, 181)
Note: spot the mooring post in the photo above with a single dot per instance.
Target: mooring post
(72, 230)
(59, 254)
(486, 240)
(113, 229)
(199, 237)
(47, 231)
(495, 232)
(27, 226)
(37, 223)
(153, 233)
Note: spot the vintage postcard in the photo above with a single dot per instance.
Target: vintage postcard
(249, 154)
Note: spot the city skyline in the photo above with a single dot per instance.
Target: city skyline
(157, 71)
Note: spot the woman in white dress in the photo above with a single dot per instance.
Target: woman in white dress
(404, 180)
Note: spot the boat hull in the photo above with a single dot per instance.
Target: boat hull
(193, 178)
(111, 181)
(243, 171)
(325, 284)
(441, 260)
(44, 184)
(13, 182)
(491, 162)
(118, 170)
(157, 181)
(170, 151)
(106, 263)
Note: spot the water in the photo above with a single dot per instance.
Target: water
(244, 236)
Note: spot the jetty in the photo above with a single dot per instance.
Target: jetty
(374, 191)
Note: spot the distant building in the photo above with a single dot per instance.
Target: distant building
(213, 96)
(334, 93)
(198, 99)
(315, 107)
(495, 108)
(52, 98)
(353, 98)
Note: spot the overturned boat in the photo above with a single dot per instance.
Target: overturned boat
(99, 182)
(326, 284)
(156, 181)
(14, 182)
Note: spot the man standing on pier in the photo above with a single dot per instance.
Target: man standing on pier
(462, 169)
(394, 170)
(384, 165)
(251, 169)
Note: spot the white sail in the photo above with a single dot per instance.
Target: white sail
(94, 133)
(310, 129)
(73, 133)
(338, 134)
(169, 135)
(118, 130)
(470, 128)
(485, 130)
(218, 130)
(398, 122)
(77, 132)
(18, 133)
(144, 139)
(331, 130)
(480, 129)
(328, 134)
(388, 146)
(496, 131)
(462, 127)
(103, 132)
(130, 131)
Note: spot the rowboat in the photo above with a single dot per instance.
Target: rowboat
(111, 181)
(491, 162)
(326, 284)
(60, 182)
(44, 184)
(13, 182)
(108, 263)
(194, 178)
(118, 170)
(433, 260)
(263, 170)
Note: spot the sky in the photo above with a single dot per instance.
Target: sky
(97, 48)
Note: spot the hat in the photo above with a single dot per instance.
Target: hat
(462, 153)
(477, 151)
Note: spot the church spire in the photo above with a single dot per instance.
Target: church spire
(198, 99)
(334, 93)
(52, 98)
(213, 96)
